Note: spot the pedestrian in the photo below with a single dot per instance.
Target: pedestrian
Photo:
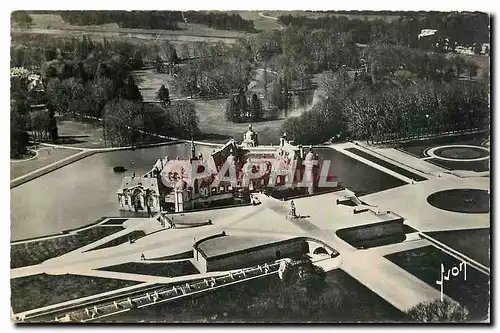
(143, 257)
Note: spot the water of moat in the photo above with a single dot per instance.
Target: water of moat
(82, 192)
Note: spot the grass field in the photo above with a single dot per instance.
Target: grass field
(51, 24)
(474, 243)
(78, 134)
(37, 251)
(45, 157)
(157, 269)
(134, 235)
(35, 291)
(425, 264)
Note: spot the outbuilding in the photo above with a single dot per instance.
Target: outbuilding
(226, 252)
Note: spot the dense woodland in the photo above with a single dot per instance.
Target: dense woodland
(168, 20)
(87, 80)
(461, 28)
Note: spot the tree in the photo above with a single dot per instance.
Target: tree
(163, 96)
(256, 107)
(40, 124)
(184, 119)
(23, 18)
(439, 311)
(157, 120)
(122, 120)
(132, 92)
(472, 68)
(19, 125)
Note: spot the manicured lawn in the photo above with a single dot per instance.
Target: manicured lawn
(386, 164)
(114, 221)
(35, 291)
(35, 252)
(474, 243)
(78, 134)
(343, 300)
(120, 240)
(157, 269)
(478, 166)
(419, 146)
(183, 255)
(425, 264)
(45, 157)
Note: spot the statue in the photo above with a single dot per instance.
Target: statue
(250, 138)
(293, 213)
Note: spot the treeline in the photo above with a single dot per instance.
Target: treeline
(168, 20)
(241, 108)
(461, 28)
(127, 123)
(220, 20)
(359, 110)
(219, 70)
(87, 80)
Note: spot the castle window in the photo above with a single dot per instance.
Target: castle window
(221, 188)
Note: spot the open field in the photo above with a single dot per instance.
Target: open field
(45, 157)
(425, 264)
(54, 25)
(35, 291)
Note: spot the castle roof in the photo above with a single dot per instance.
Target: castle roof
(130, 182)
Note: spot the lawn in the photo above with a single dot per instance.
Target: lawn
(425, 264)
(183, 255)
(114, 221)
(217, 129)
(132, 236)
(78, 134)
(179, 268)
(45, 157)
(478, 166)
(474, 243)
(343, 300)
(36, 251)
(386, 164)
(35, 291)
(418, 147)
(149, 81)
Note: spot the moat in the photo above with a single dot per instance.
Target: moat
(84, 191)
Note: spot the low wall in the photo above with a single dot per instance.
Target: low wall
(372, 231)
(249, 257)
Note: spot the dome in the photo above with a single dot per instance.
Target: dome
(180, 185)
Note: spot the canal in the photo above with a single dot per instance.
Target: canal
(82, 192)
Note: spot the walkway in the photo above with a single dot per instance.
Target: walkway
(261, 14)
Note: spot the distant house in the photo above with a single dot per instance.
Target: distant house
(427, 33)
